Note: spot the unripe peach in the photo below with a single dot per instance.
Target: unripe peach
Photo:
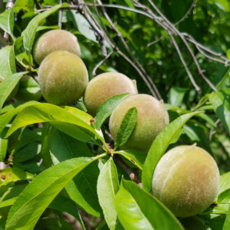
(29, 90)
(104, 86)
(152, 119)
(186, 180)
(63, 78)
(13, 93)
(55, 40)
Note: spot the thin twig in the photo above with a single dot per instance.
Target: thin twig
(133, 174)
(184, 63)
(188, 12)
(101, 62)
(156, 92)
(9, 5)
(60, 16)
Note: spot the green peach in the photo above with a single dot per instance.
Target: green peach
(104, 86)
(63, 78)
(55, 40)
(152, 119)
(29, 90)
(186, 180)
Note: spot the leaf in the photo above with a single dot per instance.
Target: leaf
(126, 128)
(79, 113)
(3, 148)
(63, 204)
(101, 226)
(221, 102)
(7, 62)
(7, 21)
(106, 109)
(224, 3)
(159, 146)
(30, 31)
(39, 193)
(54, 224)
(7, 117)
(28, 152)
(224, 182)
(59, 118)
(137, 209)
(176, 95)
(82, 189)
(7, 86)
(13, 174)
(107, 187)
(136, 157)
(82, 24)
(227, 221)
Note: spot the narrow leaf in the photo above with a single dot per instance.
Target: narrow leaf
(7, 21)
(221, 102)
(134, 156)
(137, 209)
(224, 182)
(58, 117)
(107, 187)
(7, 62)
(7, 86)
(13, 174)
(127, 126)
(159, 146)
(7, 117)
(3, 148)
(63, 204)
(82, 189)
(106, 109)
(30, 31)
(39, 194)
(227, 221)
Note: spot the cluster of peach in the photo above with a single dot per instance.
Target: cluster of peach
(186, 179)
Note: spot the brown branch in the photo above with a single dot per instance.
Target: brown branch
(60, 16)
(101, 62)
(133, 174)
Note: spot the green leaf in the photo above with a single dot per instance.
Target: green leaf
(82, 189)
(82, 24)
(30, 31)
(137, 209)
(14, 174)
(54, 224)
(136, 157)
(107, 187)
(7, 62)
(59, 118)
(224, 182)
(176, 95)
(7, 86)
(224, 3)
(28, 152)
(41, 191)
(101, 226)
(7, 21)
(159, 146)
(63, 204)
(221, 102)
(79, 113)
(7, 117)
(227, 221)
(3, 148)
(106, 109)
(126, 128)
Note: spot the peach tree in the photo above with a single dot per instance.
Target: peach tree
(73, 148)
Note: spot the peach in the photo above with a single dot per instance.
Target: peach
(186, 180)
(152, 119)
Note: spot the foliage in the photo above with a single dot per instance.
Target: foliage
(59, 159)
